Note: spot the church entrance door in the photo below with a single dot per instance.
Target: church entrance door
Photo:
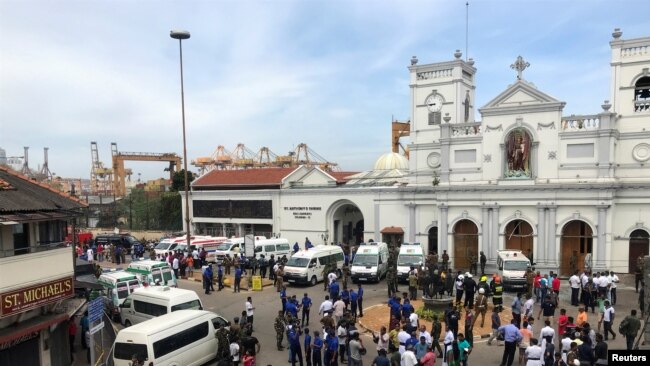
(519, 236)
(639, 246)
(465, 244)
(576, 242)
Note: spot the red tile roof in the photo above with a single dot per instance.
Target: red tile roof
(392, 230)
(242, 178)
(341, 177)
(261, 177)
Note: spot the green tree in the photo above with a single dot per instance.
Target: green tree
(178, 180)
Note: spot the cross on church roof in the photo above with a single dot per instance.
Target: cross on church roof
(520, 65)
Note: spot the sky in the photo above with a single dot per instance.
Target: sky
(331, 74)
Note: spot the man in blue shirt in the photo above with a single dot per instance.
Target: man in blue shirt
(421, 348)
(306, 306)
(296, 247)
(219, 277)
(407, 309)
(332, 349)
(334, 290)
(395, 307)
(512, 337)
(360, 300)
(316, 348)
(345, 296)
(294, 343)
(307, 343)
(292, 309)
(237, 279)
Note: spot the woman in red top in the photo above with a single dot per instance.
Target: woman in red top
(249, 360)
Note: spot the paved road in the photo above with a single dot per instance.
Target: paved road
(267, 303)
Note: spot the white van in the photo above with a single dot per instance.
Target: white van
(410, 255)
(306, 266)
(168, 245)
(511, 267)
(181, 338)
(153, 272)
(150, 302)
(370, 262)
(231, 247)
(118, 285)
(276, 247)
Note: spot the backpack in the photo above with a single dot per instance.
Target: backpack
(623, 328)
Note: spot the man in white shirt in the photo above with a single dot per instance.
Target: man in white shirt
(175, 266)
(402, 337)
(89, 255)
(612, 287)
(565, 346)
(339, 307)
(534, 354)
(546, 335)
(414, 320)
(603, 284)
(608, 318)
(448, 342)
(528, 306)
(408, 357)
(574, 281)
(331, 278)
(325, 306)
(250, 310)
(427, 336)
(234, 352)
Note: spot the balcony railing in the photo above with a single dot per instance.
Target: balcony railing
(642, 106)
(580, 123)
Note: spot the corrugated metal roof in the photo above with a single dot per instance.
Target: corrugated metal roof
(27, 195)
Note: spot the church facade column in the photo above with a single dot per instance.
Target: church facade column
(377, 223)
(601, 254)
(486, 246)
(540, 250)
(411, 235)
(551, 251)
(444, 229)
(494, 234)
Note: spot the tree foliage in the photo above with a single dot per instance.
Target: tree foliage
(178, 180)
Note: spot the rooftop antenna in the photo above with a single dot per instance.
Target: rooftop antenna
(466, 30)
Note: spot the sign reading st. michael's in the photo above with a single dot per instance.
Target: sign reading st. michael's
(28, 298)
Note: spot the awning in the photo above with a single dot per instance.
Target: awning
(30, 326)
(89, 285)
(392, 230)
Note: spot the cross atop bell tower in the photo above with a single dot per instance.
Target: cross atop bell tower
(520, 65)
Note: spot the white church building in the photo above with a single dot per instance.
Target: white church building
(524, 176)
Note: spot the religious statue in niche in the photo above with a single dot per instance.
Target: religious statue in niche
(518, 154)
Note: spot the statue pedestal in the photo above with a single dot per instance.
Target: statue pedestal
(437, 305)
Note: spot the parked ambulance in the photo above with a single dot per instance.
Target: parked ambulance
(306, 266)
(370, 262)
(118, 285)
(153, 272)
(511, 267)
(410, 255)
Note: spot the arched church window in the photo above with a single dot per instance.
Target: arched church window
(518, 164)
(642, 95)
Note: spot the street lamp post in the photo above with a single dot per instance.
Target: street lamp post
(180, 35)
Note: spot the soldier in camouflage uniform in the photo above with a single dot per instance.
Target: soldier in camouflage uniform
(326, 271)
(223, 344)
(279, 326)
(391, 281)
(227, 263)
(345, 272)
